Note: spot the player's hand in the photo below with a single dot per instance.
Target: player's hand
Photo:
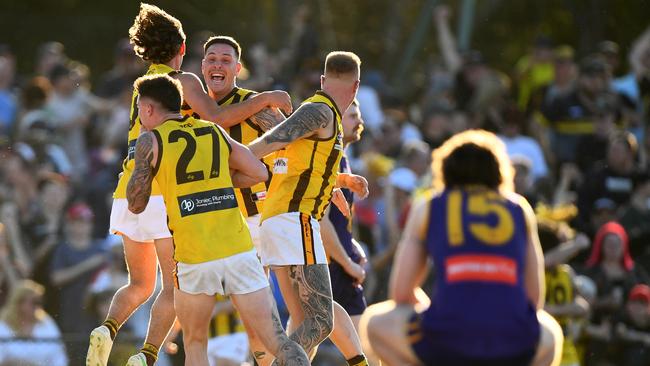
(356, 247)
(338, 199)
(356, 271)
(356, 183)
(278, 99)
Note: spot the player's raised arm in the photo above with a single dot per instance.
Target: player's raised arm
(227, 116)
(138, 189)
(267, 118)
(307, 119)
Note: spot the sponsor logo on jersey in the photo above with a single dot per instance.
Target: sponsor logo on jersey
(208, 201)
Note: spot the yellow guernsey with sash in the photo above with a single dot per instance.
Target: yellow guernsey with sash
(194, 179)
(250, 200)
(134, 132)
(304, 173)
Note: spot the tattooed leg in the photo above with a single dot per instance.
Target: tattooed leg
(310, 285)
(257, 309)
(261, 355)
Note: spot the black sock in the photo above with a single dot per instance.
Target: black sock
(112, 326)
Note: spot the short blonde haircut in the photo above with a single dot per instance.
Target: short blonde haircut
(342, 63)
(473, 157)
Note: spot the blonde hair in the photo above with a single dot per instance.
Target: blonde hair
(473, 157)
(10, 313)
(342, 63)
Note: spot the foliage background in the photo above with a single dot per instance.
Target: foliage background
(379, 30)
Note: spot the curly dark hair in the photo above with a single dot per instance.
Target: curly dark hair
(472, 157)
(156, 36)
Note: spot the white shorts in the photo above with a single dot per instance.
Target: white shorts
(233, 347)
(254, 228)
(145, 227)
(235, 275)
(291, 239)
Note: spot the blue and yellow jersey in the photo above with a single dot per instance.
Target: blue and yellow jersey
(477, 239)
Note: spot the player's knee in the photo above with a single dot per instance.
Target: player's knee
(142, 289)
(195, 336)
(550, 341)
(326, 323)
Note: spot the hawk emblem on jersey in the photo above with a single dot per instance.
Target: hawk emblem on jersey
(281, 166)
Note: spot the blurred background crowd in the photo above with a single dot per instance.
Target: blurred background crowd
(572, 111)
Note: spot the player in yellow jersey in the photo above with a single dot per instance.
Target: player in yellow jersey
(563, 300)
(157, 38)
(220, 67)
(197, 166)
(304, 176)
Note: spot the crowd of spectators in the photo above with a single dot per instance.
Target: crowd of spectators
(574, 125)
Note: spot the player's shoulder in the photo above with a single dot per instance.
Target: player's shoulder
(517, 200)
(187, 79)
(245, 93)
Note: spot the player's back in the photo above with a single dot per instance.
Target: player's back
(194, 178)
(478, 241)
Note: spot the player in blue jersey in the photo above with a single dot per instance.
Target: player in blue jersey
(487, 300)
(346, 267)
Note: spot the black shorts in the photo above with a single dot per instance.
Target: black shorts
(345, 292)
(429, 353)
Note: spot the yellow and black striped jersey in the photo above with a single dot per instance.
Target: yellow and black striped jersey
(304, 172)
(134, 132)
(251, 199)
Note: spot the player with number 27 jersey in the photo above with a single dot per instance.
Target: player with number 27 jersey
(197, 204)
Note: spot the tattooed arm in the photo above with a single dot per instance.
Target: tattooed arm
(305, 122)
(227, 116)
(138, 189)
(267, 118)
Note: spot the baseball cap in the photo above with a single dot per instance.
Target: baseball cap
(79, 211)
(640, 292)
(404, 179)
